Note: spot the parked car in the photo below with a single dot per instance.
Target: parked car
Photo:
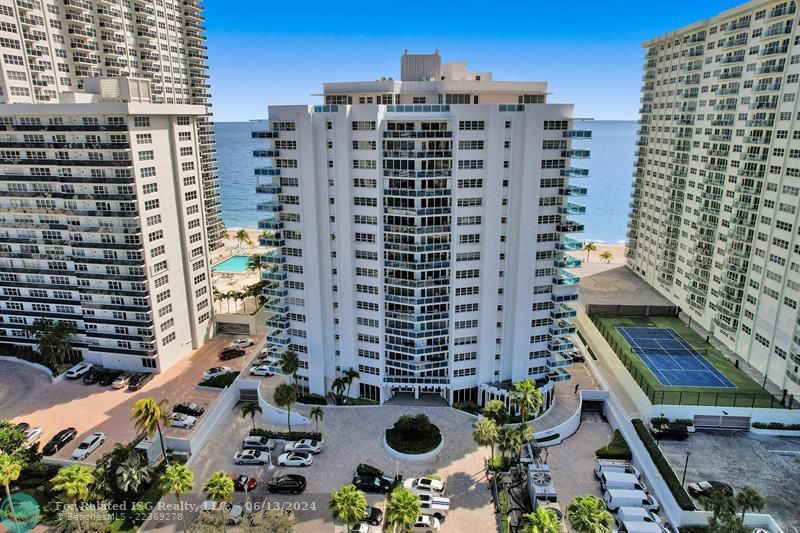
(78, 370)
(243, 482)
(258, 443)
(577, 358)
(242, 342)
(614, 465)
(230, 353)
(22, 426)
(620, 480)
(360, 527)
(93, 375)
(234, 512)
(641, 527)
(304, 445)
(425, 524)
(32, 435)
(435, 506)
(374, 516)
(251, 457)
(59, 440)
(269, 351)
(636, 514)
(424, 484)
(108, 377)
(295, 459)
(670, 431)
(180, 420)
(616, 498)
(88, 445)
(261, 370)
(139, 380)
(703, 489)
(373, 484)
(122, 381)
(192, 409)
(215, 371)
(287, 484)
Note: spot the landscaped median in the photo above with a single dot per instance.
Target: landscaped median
(667, 474)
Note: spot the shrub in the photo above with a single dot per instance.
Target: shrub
(312, 399)
(467, 407)
(499, 464)
(220, 382)
(685, 421)
(548, 438)
(616, 449)
(285, 435)
(657, 421)
(413, 434)
(363, 469)
(675, 487)
(776, 425)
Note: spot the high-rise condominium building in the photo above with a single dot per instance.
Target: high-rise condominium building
(108, 190)
(714, 221)
(421, 230)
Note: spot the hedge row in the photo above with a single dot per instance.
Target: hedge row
(312, 399)
(674, 484)
(285, 435)
(220, 382)
(616, 449)
(776, 425)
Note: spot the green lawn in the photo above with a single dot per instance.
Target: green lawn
(747, 393)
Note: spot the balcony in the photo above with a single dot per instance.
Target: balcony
(281, 339)
(266, 153)
(716, 167)
(270, 223)
(764, 104)
(565, 278)
(562, 327)
(730, 75)
(567, 262)
(569, 245)
(782, 10)
(274, 257)
(720, 137)
(559, 361)
(563, 311)
(274, 275)
(560, 344)
(760, 122)
(751, 173)
(575, 172)
(772, 50)
(727, 91)
(272, 206)
(268, 171)
(767, 87)
(263, 134)
(569, 226)
(268, 188)
(771, 68)
(754, 156)
(576, 154)
(577, 134)
(573, 190)
(758, 139)
(572, 209)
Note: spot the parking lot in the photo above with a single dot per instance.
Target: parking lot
(26, 395)
(740, 458)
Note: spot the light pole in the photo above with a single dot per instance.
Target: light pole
(685, 467)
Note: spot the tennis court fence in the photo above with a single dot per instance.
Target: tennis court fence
(658, 396)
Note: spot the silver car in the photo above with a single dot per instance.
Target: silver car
(251, 457)
(88, 445)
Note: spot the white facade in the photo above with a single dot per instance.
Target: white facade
(714, 221)
(108, 185)
(422, 241)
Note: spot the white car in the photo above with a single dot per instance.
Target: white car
(295, 459)
(251, 457)
(78, 370)
(269, 350)
(360, 527)
(180, 420)
(89, 444)
(242, 342)
(304, 445)
(233, 512)
(425, 524)
(424, 484)
(261, 370)
(215, 371)
(435, 506)
(33, 434)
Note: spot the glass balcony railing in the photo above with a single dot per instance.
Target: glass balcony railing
(567, 262)
(271, 206)
(270, 223)
(268, 171)
(577, 134)
(573, 190)
(569, 245)
(572, 209)
(570, 226)
(562, 328)
(273, 258)
(559, 361)
(575, 172)
(560, 344)
(565, 278)
(274, 275)
(563, 311)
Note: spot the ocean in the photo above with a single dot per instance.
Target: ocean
(609, 183)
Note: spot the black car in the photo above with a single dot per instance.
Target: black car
(230, 353)
(705, 489)
(373, 484)
(289, 484)
(22, 426)
(374, 516)
(577, 358)
(139, 380)
(191, 409)
(59, 440)
(670, 432)
(108, 377)
(93, 376)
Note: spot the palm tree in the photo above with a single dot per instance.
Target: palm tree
(285, 396)
(216, 295)
(10, 468)
(484, 432)
(349, 376)
(524, 433)
(242, 236)
(338, 385)
(542, 520)
(496, 410)
(54, 339)
(178, 480)
(219, 488)
(266, 235)
(348, 504)
(149, 416)
(134, 472)
(290, 364)
(589, 247)
(74, 482)
(748, 499)
(507, 440)
(587, 514)
(402, 509)
(606, 256)
(254, 263)
(527, 398)
(317, 414)
(250, 409)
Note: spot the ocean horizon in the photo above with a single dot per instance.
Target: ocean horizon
(610, 183)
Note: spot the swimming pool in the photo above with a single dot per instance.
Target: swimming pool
(236, 264)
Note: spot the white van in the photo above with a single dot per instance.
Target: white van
(641, 527)
(613, 465)
(618, 480)
(636, 514)
(616, 498)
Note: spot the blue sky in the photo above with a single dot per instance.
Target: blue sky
(266, 52)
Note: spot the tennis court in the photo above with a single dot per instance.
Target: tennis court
(672, 359)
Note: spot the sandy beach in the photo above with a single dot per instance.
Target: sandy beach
(595, 264)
